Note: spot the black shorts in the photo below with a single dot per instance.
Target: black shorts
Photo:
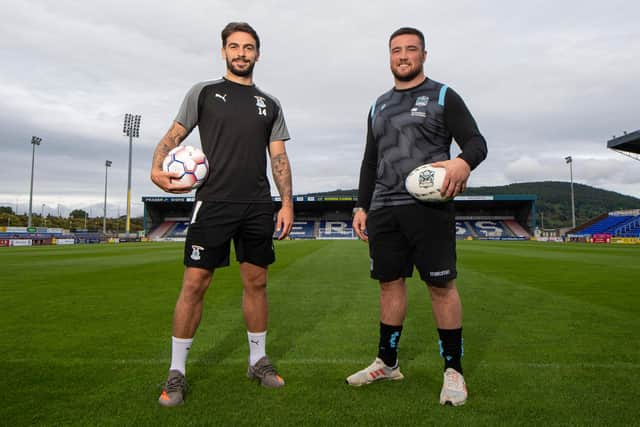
(420, 234)
(214, 224)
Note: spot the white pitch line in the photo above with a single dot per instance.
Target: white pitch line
(312, 361)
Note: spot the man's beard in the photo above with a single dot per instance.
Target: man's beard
(407, 77)
(240, 73)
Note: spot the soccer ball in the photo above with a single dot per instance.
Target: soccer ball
(424, 183)
(190, 162)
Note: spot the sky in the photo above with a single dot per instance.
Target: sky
(544, 80)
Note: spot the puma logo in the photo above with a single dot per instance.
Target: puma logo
(255, 342)
(223, 97)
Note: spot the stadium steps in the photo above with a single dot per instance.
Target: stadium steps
(161, 230)
(630, 228)
(471, 229)
(606, 225)
(491, 228)
(464, 226)
(580, 228)
(515, 228)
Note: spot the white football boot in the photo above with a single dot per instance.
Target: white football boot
(375, 372)
(454, 389)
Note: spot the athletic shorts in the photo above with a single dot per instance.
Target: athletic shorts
(420, 234)
(214, 224)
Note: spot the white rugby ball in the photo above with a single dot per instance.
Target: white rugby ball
(424, 183)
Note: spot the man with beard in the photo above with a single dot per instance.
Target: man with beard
(410, 125)
(238, 125)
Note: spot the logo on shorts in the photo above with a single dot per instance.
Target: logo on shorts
(426, 178)
(195, 252)
(370, 264)
(439, 273)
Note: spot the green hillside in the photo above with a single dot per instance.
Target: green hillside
(554, 200)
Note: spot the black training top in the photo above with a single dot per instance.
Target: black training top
(236, 124)
(408, 128)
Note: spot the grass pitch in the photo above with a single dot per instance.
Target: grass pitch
(551, 338)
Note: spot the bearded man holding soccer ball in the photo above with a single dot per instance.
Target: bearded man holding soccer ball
(238, 125)
(408, 126)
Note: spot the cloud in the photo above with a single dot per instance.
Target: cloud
(541, 86)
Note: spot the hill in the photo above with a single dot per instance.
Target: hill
(554, 200)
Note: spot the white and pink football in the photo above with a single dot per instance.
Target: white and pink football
(190, 162)
(424, 183)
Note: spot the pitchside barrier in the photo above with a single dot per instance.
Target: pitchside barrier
(626, 240)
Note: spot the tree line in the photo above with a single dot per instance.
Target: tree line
(77, 219)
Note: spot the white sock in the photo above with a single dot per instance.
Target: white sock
(179, 350)
(257, 343)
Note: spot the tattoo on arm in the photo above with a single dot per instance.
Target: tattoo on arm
(282, 176)
(171, 140)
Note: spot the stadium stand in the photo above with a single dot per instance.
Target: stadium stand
(463, 231)
(606, 225)
(328, 216)
(303, 230)
(488, 229)
(618, 224)
(627, 144)
(179, 230)
(336, 230)
(517, 229)
(160, 231)
(631, 228)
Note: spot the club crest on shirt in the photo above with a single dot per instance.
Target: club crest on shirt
(419, 109)
(422, 101)
(262, 106)
(260, 101)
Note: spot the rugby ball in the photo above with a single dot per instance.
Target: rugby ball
(424, 183)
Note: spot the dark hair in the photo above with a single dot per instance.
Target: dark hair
(408, 30)
(233, 27)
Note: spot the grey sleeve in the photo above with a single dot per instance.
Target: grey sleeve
(188, 113)
(279, 131)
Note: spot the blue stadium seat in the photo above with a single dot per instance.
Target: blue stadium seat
(179, 230)
(606, 225)
(462, 230)
(302, 230)
(491, 229)
(336, 230)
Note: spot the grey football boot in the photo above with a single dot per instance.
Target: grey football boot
(264, 372)
(174, 390)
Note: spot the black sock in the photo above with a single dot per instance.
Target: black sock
(451, 348)
(388, 347)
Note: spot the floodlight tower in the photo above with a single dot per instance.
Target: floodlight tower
(34, 141)
(107, 165)
(131, 128)
(569, 160)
